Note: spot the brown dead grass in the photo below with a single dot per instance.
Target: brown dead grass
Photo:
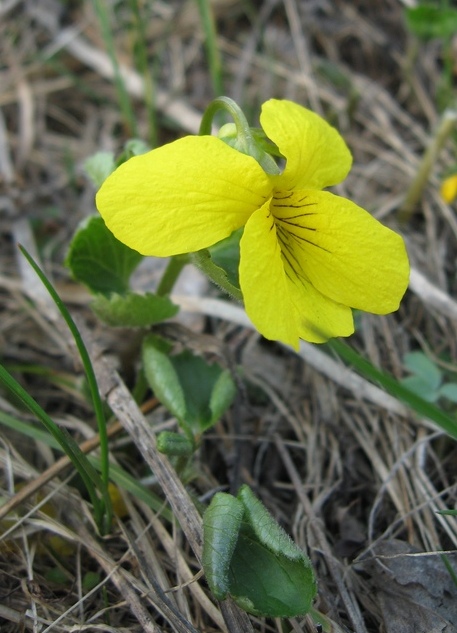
(341, 465)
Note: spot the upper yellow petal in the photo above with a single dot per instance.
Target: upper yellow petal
(316, 154)
(345, 253)
(281, 305)
(182, 197)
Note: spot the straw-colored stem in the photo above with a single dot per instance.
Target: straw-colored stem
(414, 193)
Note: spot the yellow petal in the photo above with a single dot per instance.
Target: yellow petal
(449, 189)
(182, 197)
(282, 306)
(316, 154)
(345, 253)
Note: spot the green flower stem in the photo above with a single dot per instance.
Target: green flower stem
(445, 127)
(246, 141)
(244, 133)
(171, 274)
(202, 260)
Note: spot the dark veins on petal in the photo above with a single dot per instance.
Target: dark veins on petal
(287, 231)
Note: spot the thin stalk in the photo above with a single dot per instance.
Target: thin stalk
(242, 126)
(391, 385)
(171, 274)
(414, 193)
(246, 142)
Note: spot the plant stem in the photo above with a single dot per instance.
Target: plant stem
(202, 260)
(171, 274)
(242, 126)
(447, 123)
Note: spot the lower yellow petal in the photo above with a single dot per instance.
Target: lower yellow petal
(281, 305)
(345, 253)
(182, 197)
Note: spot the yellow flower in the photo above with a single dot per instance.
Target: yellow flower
(307, 256)
(449, 189)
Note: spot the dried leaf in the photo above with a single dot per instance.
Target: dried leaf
(414, 590)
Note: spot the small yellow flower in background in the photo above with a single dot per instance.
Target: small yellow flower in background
(306, 256)
(449, 189)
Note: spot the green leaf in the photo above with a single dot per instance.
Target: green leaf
(418, 363)
(133, 310)
(162, 377)
(221, 527)
(99, 166)
(266, 583)
(448, 391)
(90, 580)
(248, 555)
(429, 21)
(200, 384)
(100, 261)
(417, 385)
(174, 444)
(222, 396)
(266, 528)
(196, 392)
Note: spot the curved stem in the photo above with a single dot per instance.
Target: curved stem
(202, 260)
(242, 126)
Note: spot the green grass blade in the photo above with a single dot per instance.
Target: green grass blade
(91, 379)
(29, 430)
(391, 385)
(141, 62)
(212, 51)
(87, 472)
(117, 474)
(103, 16)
